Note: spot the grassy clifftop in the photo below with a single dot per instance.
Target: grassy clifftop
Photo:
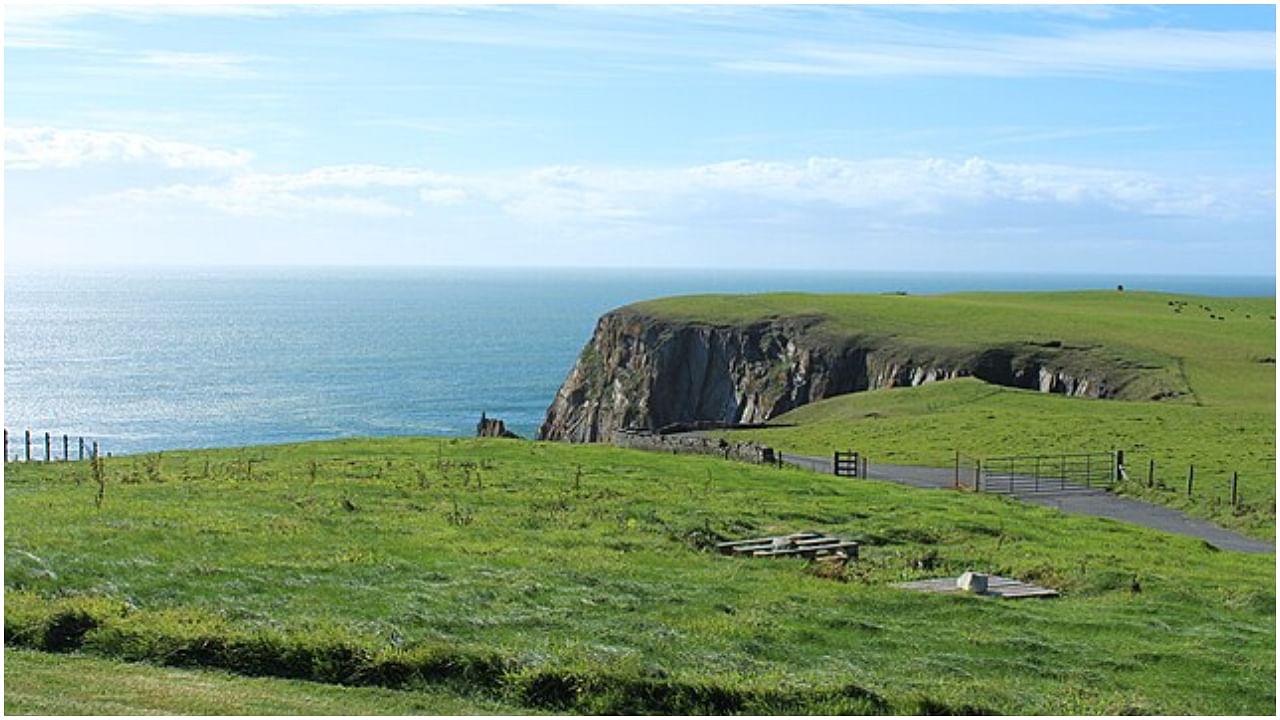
(1219, 350)
(1216, 347)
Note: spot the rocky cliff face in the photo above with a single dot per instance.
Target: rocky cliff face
(640, 371)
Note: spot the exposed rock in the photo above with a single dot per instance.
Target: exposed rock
(493, 427)
(646, 372)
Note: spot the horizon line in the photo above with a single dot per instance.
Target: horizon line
(35, 268)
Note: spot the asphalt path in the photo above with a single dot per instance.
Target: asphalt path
(1069, 498)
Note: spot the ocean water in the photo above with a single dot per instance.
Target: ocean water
(152, 359)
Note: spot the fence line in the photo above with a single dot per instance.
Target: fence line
(1083, 471)
(24, 452)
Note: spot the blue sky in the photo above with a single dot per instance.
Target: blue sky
(1020, 138)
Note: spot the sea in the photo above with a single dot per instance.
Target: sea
(149, 359)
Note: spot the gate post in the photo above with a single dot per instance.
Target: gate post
(977, 475)
(1118, 475)
(835, 463)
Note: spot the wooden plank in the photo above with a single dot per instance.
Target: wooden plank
(1000, 587)
(796, 546)
(756, 541)
(1027, 592)
(806, 551)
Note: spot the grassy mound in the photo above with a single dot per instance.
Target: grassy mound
(578, 579)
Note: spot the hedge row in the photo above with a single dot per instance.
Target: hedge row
(185, 638)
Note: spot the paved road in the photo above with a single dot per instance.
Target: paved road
(1074, 499)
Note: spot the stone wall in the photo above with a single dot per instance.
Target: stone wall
(695, 445)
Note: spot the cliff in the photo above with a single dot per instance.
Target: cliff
(646, 371)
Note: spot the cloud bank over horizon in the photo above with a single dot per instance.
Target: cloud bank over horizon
(226, 149)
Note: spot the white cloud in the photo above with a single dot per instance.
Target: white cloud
(213, 65)
(443, 196)
(243, 199)
(733, 190)
(1089, 53)
(30, 148)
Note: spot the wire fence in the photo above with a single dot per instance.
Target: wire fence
(48, 447)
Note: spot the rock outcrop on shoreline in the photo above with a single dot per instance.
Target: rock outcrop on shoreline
(493, 427)
(642, 371)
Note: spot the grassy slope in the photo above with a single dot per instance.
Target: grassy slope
(601, 574)
(1227, 424)
(39, 683)
(925, 425)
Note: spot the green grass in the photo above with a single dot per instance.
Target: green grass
(38, 683)
(576, 579)
(926, 425)
(1218, 359)
(1223, 422)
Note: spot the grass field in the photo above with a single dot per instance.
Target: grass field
(926, 425)
(38, 683)
(577, 579)
(1219, 351)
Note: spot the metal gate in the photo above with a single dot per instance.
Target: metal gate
(1066, 472)
(845, 464)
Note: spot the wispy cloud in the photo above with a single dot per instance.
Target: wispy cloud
(927, 187)
(33, 148)
(1094, 53)
(213, 65)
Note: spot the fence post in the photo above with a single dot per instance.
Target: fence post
(955, 484)
(1119, 466)
(1191, 477)
(95, 450)
(66, 448)
(864, 466)
(28, 446)
(1235, 476)
(6, 445)
(82, 448)
(835, 463)
(977, 475)
(1037, 474)
(1151, 473)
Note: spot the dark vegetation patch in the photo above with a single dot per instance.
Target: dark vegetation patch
(192, 639)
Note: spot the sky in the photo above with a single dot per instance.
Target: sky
(933, 138)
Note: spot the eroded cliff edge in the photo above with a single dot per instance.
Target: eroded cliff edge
(640, 370)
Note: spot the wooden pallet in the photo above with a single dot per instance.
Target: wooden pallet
(997, 586)
(802, 544)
